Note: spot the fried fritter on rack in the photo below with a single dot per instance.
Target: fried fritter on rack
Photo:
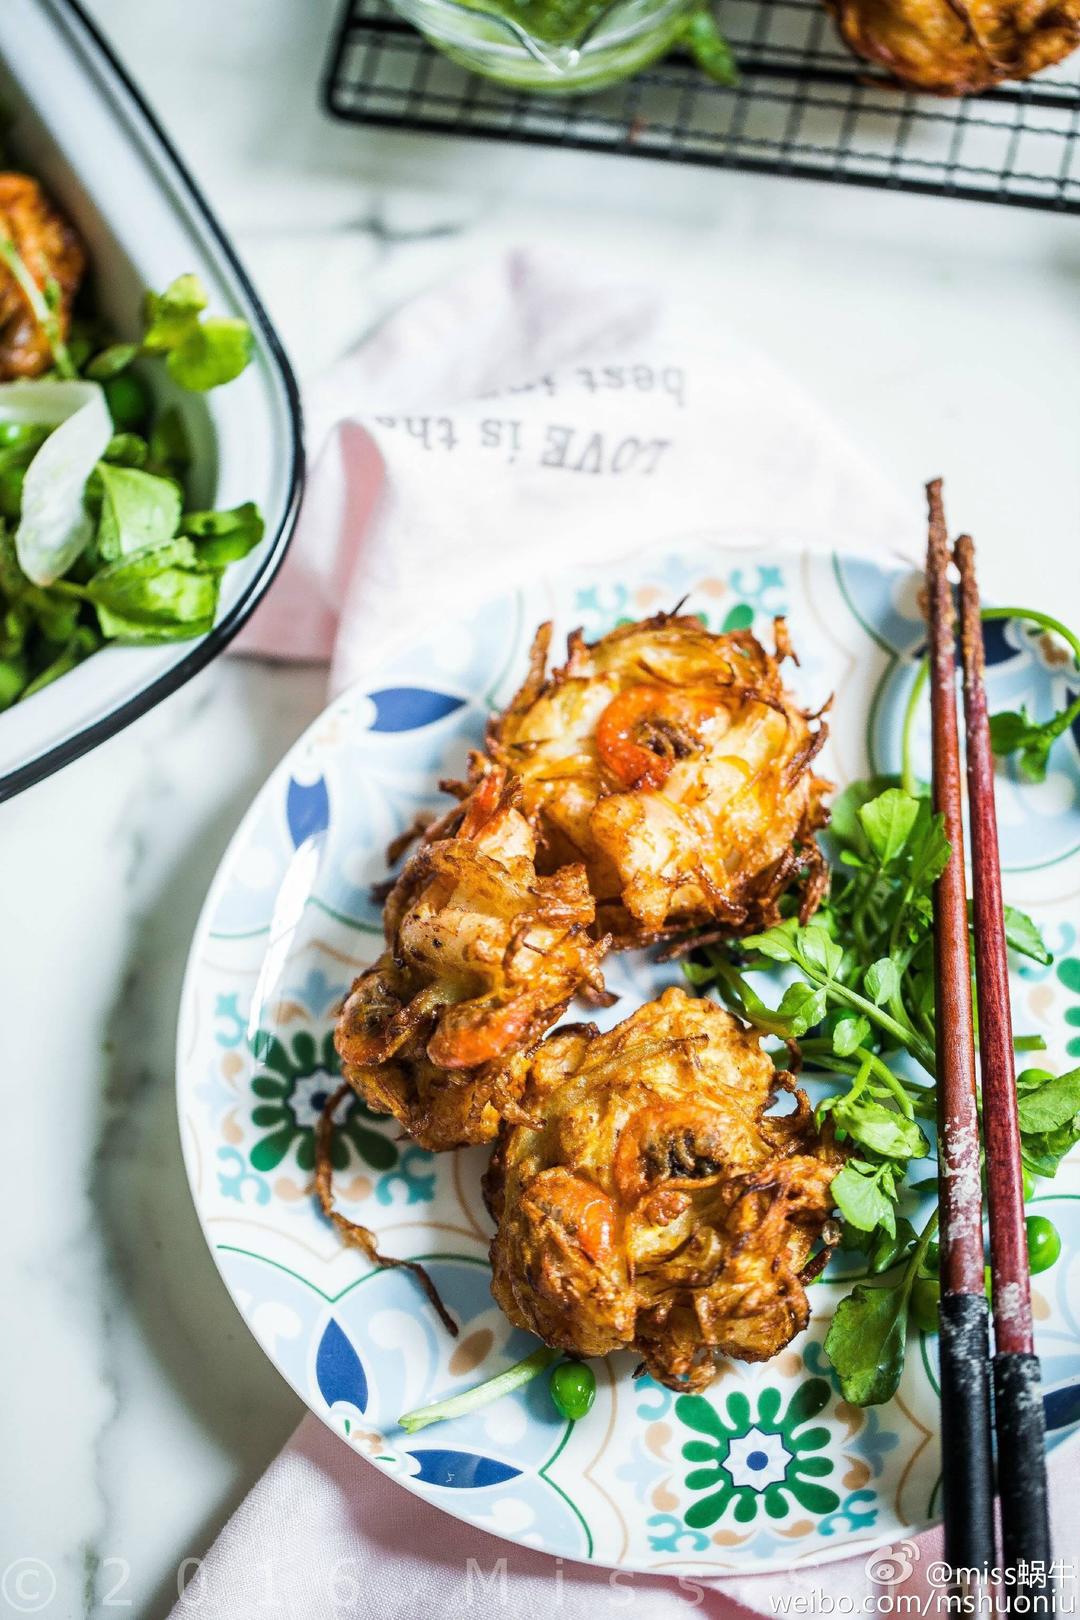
(958, 49)
(53, 254)
(658, 1208)
(674, 763)
(482, 958)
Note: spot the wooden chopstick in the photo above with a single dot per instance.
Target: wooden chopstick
(1018, 1407)
(966, 1453)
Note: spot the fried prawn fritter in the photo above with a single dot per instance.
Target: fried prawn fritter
(658, 1207)
(53, 254)
(674, 763)
(959, 49)
(482, 958)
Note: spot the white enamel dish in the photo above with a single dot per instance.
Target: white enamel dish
(80, 126)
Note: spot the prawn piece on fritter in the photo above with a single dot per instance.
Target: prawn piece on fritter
(482, 957)
(956, 49)
(675, 764)
(656, 1206)
(53, 254)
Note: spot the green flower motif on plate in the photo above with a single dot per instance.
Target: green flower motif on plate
(758, 1461)
(294, 1082)
(1069, 974)
(740, 617)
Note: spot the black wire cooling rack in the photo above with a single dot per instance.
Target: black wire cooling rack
(803, 106)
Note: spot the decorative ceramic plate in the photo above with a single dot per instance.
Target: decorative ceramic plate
(794, 1475)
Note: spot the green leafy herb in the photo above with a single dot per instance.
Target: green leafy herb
(1052, 1102)
(881, 1129)
(138, 510)
(225, 537)
(1049, 1112)
(849, 1032)
(1012, 732)
(1023, 936)
(111, 361)
(867, 1338)
(888, 1249)
(862, 1012)
(201, 351)
(881, 981)
(866, 1197)
(160, 593)
(168, 315)
(888, 822)
(1032, 740)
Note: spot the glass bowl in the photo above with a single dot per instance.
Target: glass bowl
(559, 46)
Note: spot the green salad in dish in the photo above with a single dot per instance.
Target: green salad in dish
(98, 543)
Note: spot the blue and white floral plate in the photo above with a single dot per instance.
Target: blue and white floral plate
(771, 1468)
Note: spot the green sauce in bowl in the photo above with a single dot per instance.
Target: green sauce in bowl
(568, 46)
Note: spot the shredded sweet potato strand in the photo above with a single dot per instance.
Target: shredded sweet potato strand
(351, 1232)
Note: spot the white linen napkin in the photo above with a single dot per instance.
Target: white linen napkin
(536, 411)
(531, 412)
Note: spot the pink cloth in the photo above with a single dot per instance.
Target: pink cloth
(325, 1534)
(529, 413)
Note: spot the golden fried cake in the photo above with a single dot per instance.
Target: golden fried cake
(53, 255)
(674, 764)
(959, 49)
(654, 1205)
(482, 957)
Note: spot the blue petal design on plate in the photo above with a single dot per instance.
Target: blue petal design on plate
(339, 1371)
(1063, 1406)
(996, 645)
(461, 1470)
(407, 708)
(307, 809)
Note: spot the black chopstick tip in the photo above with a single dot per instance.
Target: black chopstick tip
(1021, 1433)
(967, 1467)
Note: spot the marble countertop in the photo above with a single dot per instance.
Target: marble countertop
(945, 337)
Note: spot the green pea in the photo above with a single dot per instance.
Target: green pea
(128, 401)
(925, 1299)
(1029, 1184)
(573, 1388)
(22, 434)
(1044, 1243)
(1031, 1079)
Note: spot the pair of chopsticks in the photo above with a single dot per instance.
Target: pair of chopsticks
(966, 1407)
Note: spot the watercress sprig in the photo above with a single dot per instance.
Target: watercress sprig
(857, 1002)
(201, 351)
(1011, 731)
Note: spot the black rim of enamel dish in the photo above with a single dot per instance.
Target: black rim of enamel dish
(209, 646)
